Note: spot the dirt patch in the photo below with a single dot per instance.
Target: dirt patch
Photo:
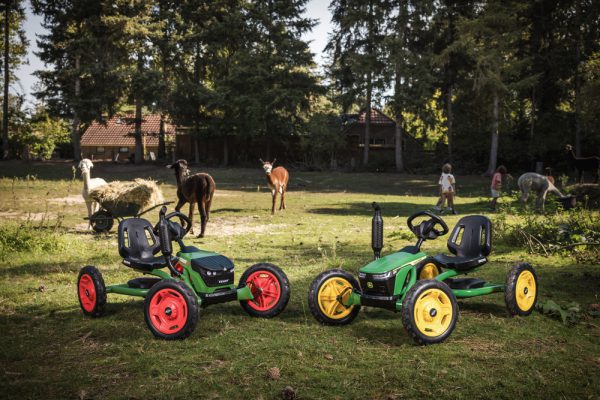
(69, 200)
(481, 345)
(222, 227)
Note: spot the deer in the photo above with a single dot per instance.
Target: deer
(583, 164)
(197, 188)
(89, 184)
(277, 179)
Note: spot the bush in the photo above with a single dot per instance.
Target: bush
(576, 232)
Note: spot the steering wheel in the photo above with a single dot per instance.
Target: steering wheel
(178, 231)
(427, 229)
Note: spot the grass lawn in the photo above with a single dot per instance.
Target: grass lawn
(50, 350)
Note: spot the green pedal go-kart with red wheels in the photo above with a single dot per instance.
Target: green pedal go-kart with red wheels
(195, 278)
(422, 287)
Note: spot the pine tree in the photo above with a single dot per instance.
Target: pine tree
(134, 30)
(409, 47)
(82, 83)
(14, 46)
(357, 51)
(491, 39)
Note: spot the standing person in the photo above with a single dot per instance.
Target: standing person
(496, 186)
(447, 189)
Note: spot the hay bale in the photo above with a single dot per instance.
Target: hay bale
(141, 192)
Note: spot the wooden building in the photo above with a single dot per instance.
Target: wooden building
(382, 141)
(114, 138)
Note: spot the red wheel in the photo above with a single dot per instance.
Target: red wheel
(91, 291)
(87, 293)
(265, 289)
(171, 310)
(168, 311)
(269, 286)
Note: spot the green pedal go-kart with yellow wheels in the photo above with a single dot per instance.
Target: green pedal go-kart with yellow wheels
(195, 278)
(423, 288)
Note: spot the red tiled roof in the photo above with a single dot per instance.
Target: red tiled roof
(377, 118)
(119, 131)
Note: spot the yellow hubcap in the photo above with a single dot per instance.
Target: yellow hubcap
(526, 290)
(429, 271)
(328, 295)
(433, 312)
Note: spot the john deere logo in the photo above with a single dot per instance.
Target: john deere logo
(370, 285)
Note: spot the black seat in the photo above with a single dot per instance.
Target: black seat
(470, 241)
(138, 245)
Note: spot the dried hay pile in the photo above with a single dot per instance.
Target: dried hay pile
(141, 192)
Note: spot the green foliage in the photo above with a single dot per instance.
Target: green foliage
(570, 313)
(31, 237)
(323, 138)
(575, 233)
(44, 134)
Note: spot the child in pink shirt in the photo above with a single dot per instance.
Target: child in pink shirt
(496, 186)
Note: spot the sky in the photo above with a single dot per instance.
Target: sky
(315, 9)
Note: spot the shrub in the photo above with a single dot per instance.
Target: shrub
(576, 232)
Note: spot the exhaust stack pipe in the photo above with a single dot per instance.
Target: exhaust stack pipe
(377, 231)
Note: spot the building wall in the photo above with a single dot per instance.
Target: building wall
(110, 152)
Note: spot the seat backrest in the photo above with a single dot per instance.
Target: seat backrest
(471, 237)
(136, 239)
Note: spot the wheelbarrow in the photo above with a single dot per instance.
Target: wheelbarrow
(104, 219)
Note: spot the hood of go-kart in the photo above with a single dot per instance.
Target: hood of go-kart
(392, 261)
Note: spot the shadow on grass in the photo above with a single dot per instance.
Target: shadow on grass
(391, 209)
(227, 210)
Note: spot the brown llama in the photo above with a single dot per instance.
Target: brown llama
(198, 188)
(277, 178)
(584, 164)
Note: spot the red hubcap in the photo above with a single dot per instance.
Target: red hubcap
(265, 289)
(168, 311)
(87, 293)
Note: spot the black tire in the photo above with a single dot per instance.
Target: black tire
(318, 312)
(164, 297)
(521, 303)
(91, 291)
(102, 221)
(277, 305)
(414, 302)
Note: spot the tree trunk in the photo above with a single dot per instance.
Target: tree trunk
(5, 145)
(494, 145)
(578, 84)
(368, 121)
(139, 145)
(162, 148)
(196, 139)
(75, 136)
(449, 123)
(398, 143)
(225, 151)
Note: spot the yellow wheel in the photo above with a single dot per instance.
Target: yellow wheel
(521, 289)
(326, 296)
(429, 312)
(429, 271)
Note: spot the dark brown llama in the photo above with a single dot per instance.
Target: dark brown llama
(198, 188)
(584, 164)
(277, 178)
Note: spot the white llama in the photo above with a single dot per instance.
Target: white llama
(89, 184)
